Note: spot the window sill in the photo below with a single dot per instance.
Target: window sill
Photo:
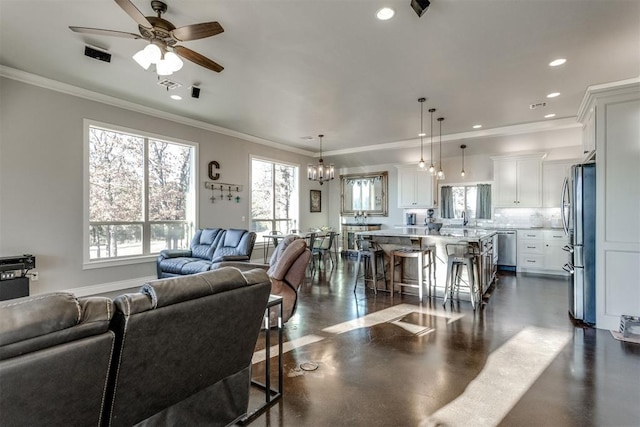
(90, 265)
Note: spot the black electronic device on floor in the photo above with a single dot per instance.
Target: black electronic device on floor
(14, 282)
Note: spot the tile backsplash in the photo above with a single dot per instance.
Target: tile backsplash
(503, 217)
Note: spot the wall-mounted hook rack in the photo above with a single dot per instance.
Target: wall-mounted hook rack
(223, 188)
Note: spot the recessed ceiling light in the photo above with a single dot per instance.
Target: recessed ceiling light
(557, 62)
(553, 94)
(385, 13)
(176, 97)
(422, 134)
(477, 126)
(548, 116)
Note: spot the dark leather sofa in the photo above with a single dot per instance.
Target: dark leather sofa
(208, 247)
(178, 352)
(55, 354)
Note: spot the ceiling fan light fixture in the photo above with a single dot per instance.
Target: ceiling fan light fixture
(142, 59)
(153, 53)
(163, 68)
(174, 61)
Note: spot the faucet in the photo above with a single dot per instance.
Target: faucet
(465, 221)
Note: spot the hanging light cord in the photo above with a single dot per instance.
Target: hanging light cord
(431, 167)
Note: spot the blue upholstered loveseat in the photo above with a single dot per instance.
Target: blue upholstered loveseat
(208, 247)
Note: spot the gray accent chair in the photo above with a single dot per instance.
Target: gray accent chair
(287, 270)
(55, 355)
(208, 246)
(184, 348)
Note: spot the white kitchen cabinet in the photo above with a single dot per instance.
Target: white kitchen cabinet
(553, 175)
(415, 188)
(540, 251)
(554, 256)
(611, 112)
(518, 181)
(530, 251)
(589, 131)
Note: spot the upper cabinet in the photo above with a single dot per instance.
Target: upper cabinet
(553, 175)
(589, 131)
(415, 188)
(518, 181)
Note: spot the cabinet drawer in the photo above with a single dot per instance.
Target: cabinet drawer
(530, 261)
(530, 234)
(554, 236)
(530, 247)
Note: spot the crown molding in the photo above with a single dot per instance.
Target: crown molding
(563, 123)
(46, 83)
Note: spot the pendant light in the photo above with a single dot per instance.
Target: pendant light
(462, 147)
(432, 168)
(440, 175)
(320, 172)
(421, 163)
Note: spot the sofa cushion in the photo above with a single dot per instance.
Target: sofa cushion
(204, 242)
(195, 267)
(174, 265)
(38, 322)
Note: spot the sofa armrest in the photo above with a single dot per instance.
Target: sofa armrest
(174, 253)
(233, 258)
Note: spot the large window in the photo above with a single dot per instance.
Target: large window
(274, 196)
(473, 200)
(140, 195)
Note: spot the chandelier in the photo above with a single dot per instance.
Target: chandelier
(320, 172)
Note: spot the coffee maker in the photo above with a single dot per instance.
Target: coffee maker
(411, 219)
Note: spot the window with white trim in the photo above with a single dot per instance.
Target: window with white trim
(274, 196)
(140, 194)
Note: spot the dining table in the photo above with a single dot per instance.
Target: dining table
(319, 239)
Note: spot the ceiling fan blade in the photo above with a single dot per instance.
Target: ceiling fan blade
(133, 12)
(101, 32)
(196, 58)
(196, 31)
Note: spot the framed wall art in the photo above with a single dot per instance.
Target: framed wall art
(315, 201)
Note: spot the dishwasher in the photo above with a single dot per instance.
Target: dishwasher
(507, 249)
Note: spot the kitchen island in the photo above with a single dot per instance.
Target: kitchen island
(421, 237)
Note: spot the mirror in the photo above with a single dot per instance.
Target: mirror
(364, 192)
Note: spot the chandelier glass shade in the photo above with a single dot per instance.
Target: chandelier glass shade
(440, 174)
(320, 172)
(166, 62)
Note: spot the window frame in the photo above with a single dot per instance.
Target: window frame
(467, 184)
(298, 190)
(87, 262)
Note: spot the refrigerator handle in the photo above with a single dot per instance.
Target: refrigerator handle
(564, 204)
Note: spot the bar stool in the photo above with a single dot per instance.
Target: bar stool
(425, 258)
(369, 254)
(459, 256)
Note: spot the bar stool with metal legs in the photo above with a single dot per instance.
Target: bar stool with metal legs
(460, 255)
(424, 257)
(369, 255)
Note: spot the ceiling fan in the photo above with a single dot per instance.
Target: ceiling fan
(163, 34)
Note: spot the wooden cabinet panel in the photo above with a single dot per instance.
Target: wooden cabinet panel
(518, 181)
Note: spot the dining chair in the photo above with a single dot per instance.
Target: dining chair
(324, 247)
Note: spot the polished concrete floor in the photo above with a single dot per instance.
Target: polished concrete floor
(517, 361)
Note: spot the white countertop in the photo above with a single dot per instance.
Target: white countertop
(471, 234)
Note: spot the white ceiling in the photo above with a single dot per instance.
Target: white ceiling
(296, 68)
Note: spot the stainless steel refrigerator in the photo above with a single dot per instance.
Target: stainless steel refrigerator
(579, 221)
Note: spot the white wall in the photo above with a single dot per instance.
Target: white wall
(41, 180)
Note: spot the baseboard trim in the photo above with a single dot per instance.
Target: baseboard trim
(109, 287)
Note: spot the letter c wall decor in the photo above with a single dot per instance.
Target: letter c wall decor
(213, 176)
